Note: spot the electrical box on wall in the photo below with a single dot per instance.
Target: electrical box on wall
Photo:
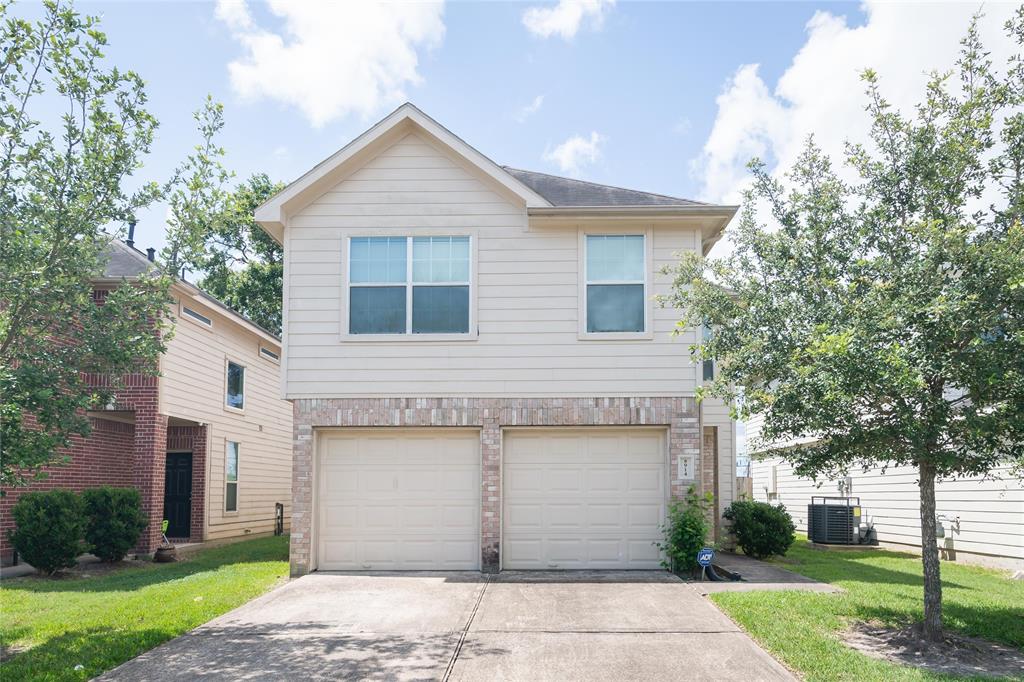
(686, 465)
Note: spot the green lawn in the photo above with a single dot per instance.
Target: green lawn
(803, 629)
(101, 621)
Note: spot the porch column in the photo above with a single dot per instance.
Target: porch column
(199, 440)
(149, 461)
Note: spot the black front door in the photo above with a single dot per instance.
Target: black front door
(178, 494)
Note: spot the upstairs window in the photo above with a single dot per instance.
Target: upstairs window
(708, 370)
(235, 386)
(616, 283)
(409, 285)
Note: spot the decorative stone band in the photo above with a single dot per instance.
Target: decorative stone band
(679, 414)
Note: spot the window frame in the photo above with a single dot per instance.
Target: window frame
(238, 473)
(227, 366)
(408, 336)
(584, 282)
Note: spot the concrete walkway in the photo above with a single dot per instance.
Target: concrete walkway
(760, 575)
(464, 626)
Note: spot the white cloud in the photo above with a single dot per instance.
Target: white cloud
(564, 19)
(576, 152)
(530, 109)
(821, 91)
(331, 59)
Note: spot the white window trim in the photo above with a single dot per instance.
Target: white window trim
(408, 336)
(238, 475)
(245, 371)
(182, 315)
(648, 333)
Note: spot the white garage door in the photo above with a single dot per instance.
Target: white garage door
(586, 498)
(399, 499)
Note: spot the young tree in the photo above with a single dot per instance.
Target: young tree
(61, 182)
(243, 266)
(885, 318)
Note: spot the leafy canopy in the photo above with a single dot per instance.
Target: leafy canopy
(62, 180)
(884, 316)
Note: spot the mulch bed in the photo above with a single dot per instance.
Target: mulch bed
(954, 655)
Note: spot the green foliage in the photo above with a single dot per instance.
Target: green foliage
(113, 521)
(879, 587)
(196, 193)
(762, 530)
(242, 265)
(98, 622)
(48, 533)
(685, 531)
(60, 185)
(882, 321)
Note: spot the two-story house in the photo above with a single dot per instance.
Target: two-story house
(207, 441)
(481, 377)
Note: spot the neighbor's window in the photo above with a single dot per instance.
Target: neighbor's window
(231, 477)
(709, 365)
(409, 285)
(616, 283)
(236, 386)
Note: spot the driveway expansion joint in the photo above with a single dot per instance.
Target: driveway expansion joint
(465, 630)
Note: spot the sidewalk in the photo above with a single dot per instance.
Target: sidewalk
(759, 575)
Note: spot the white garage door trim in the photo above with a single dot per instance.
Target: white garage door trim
(414, 501)
(600, 508)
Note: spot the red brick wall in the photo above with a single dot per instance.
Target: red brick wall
(104, 458)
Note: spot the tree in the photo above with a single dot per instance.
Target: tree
(885, 317)
(61, 182)
(242, 265)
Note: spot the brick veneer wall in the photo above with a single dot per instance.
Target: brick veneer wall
(103, 458)
(709, 475)
(489, 415)
(193, 439)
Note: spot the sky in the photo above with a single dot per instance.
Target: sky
(673, 98)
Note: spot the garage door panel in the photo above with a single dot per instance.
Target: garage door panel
(605, 480)
(409, 501)
(610, 520)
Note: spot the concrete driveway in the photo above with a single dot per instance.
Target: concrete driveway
(464, 626)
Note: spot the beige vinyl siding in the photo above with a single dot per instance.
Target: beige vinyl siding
(527, 288)
(991, 511)
(193, 388)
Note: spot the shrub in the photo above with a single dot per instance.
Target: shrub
(762, 530)
(48, 532)
(685, 531)
(114, 521)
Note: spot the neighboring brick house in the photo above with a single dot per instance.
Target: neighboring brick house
(480, 375)
(207, 442)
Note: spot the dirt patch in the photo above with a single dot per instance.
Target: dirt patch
(954, 655)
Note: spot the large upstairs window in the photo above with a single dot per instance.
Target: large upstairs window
(616, 283)
(409, 285)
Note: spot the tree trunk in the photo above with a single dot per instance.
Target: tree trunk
(930, 555)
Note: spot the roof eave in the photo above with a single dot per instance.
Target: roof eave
(632, 211)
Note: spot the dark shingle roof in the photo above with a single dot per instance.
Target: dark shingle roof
(123, 261)
(568, 192)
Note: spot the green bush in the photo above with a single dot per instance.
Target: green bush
(113, 521)
(762, 530)
(685, 531)
(48, 529)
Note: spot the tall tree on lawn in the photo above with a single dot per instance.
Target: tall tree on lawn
(885, 316)
(62, 181)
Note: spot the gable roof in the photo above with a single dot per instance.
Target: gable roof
(125, 262)
(568, 192)
(406, 118)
